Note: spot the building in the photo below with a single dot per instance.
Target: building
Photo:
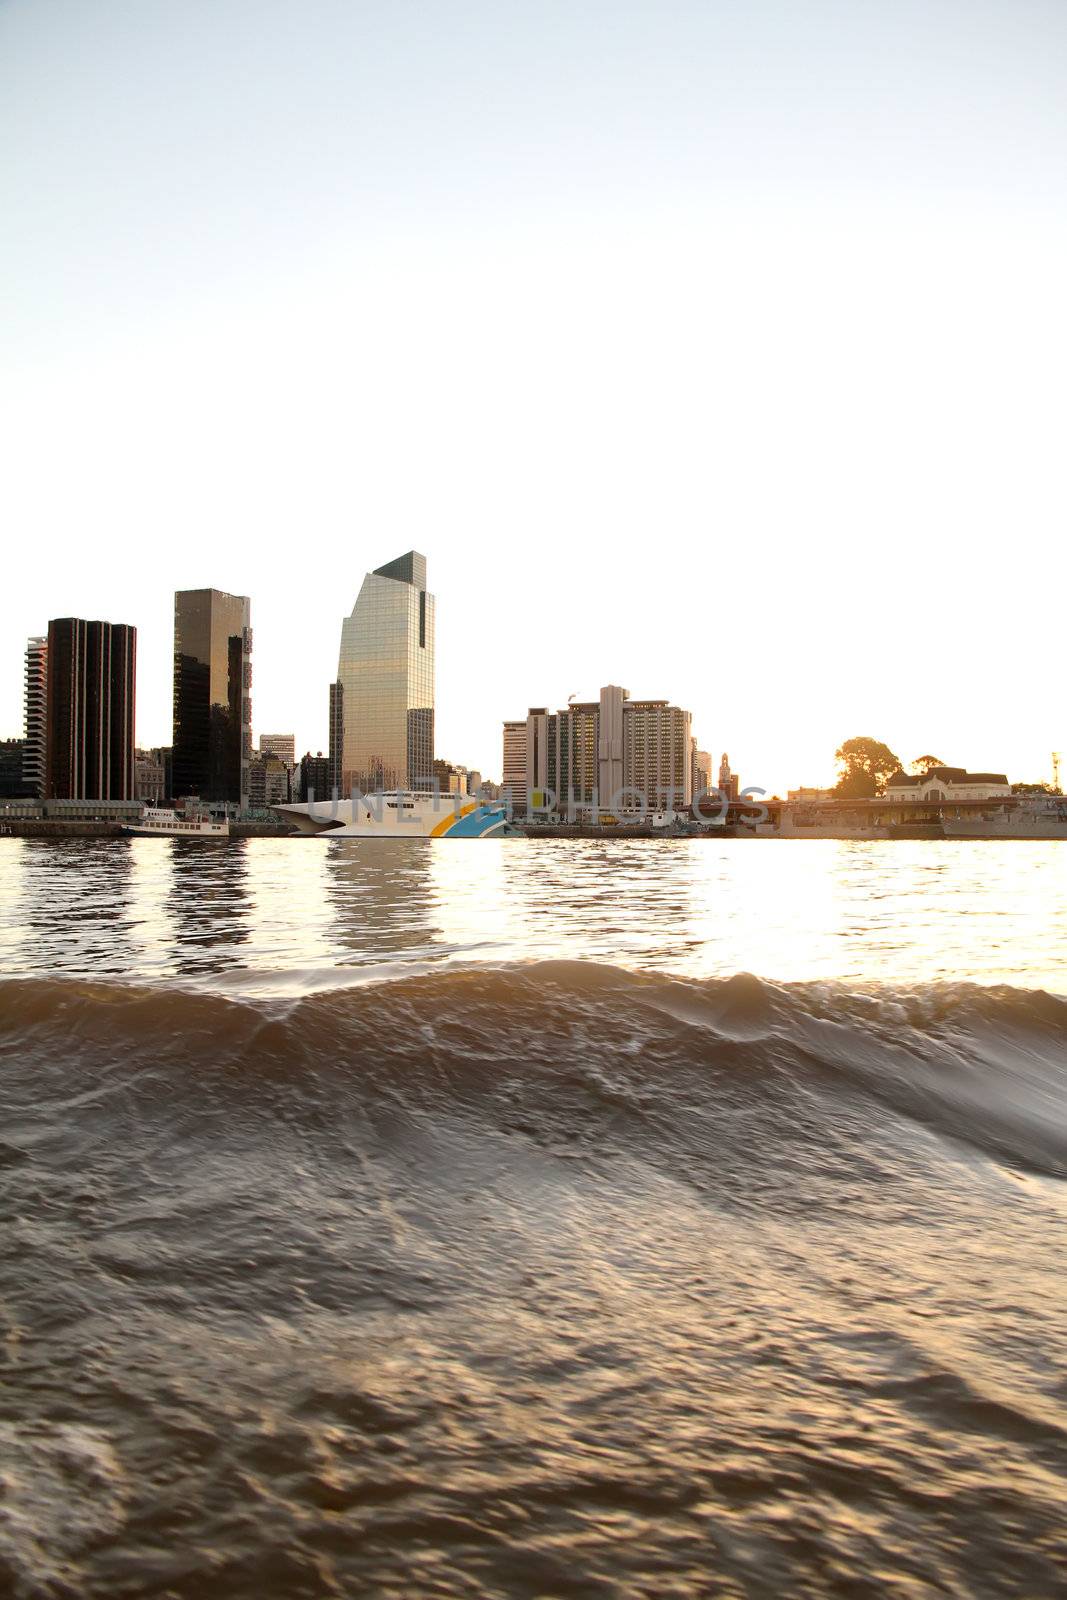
(386, 673)
(35, 740)
(13, 785)
(810, 795)
(337, 736)
(315, 783)
(513, 770)
(282, 745)
(701, 770)
(947, 783)
(150, 777)
(729, 782)
(269, 781)
(91, 679)
(212, 695)
(604, 752)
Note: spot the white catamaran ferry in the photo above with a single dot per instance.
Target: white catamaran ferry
(169, 825)
(399, 815)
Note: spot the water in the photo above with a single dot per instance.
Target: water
(668, 1218)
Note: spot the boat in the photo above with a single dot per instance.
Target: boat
(397, 814)
(163, 824)
(1046, 820)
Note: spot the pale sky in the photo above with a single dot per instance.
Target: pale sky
(716, 349)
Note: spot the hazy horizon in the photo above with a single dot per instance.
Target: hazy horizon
(713, 351)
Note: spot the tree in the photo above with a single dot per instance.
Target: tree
(1033, 788)
(864, 764)
(923, 764)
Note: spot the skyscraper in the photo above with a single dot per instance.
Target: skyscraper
(337, 737)
(91, 677)
(386, 673)
(35, 742)
(212, 695)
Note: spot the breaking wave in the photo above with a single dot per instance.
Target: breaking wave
(552, 1279)
(577, 1042)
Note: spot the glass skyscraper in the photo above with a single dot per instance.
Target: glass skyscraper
(212, 695)
(386, 673)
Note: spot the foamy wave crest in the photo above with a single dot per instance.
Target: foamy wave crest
(556, 1051)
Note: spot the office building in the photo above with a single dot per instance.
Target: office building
(602, 749)
(337, 736)
(268, 780)
(386, 673)
(13, 785)
(35, 742)
(212, 695)
(282, 745)
(315, 778)
(91, 679)
(701, 769)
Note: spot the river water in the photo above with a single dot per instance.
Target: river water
(532, 1218)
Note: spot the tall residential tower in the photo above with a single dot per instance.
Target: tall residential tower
(35, 741)
(386, 673)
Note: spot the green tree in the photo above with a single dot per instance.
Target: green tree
(864, 765)
(923, 764)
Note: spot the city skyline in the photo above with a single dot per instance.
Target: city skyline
(689, 363)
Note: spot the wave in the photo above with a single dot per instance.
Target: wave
(560, 1051)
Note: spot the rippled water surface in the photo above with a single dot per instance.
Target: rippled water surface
(273, 914)
(666, 1218)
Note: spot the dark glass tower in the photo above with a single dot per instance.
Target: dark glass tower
(337, 735)
(212, 695)
(91, 686)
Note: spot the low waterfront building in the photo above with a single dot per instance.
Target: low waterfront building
(942, 784)
(150, 777)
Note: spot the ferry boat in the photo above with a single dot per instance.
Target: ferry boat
(399, 815)
(161, 824)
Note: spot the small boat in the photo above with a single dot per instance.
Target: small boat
(161, 824)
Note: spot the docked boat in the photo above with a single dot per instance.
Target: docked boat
(399, 815)
(162, 824)
(1046, 820)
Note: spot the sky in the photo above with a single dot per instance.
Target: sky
(711, 347)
